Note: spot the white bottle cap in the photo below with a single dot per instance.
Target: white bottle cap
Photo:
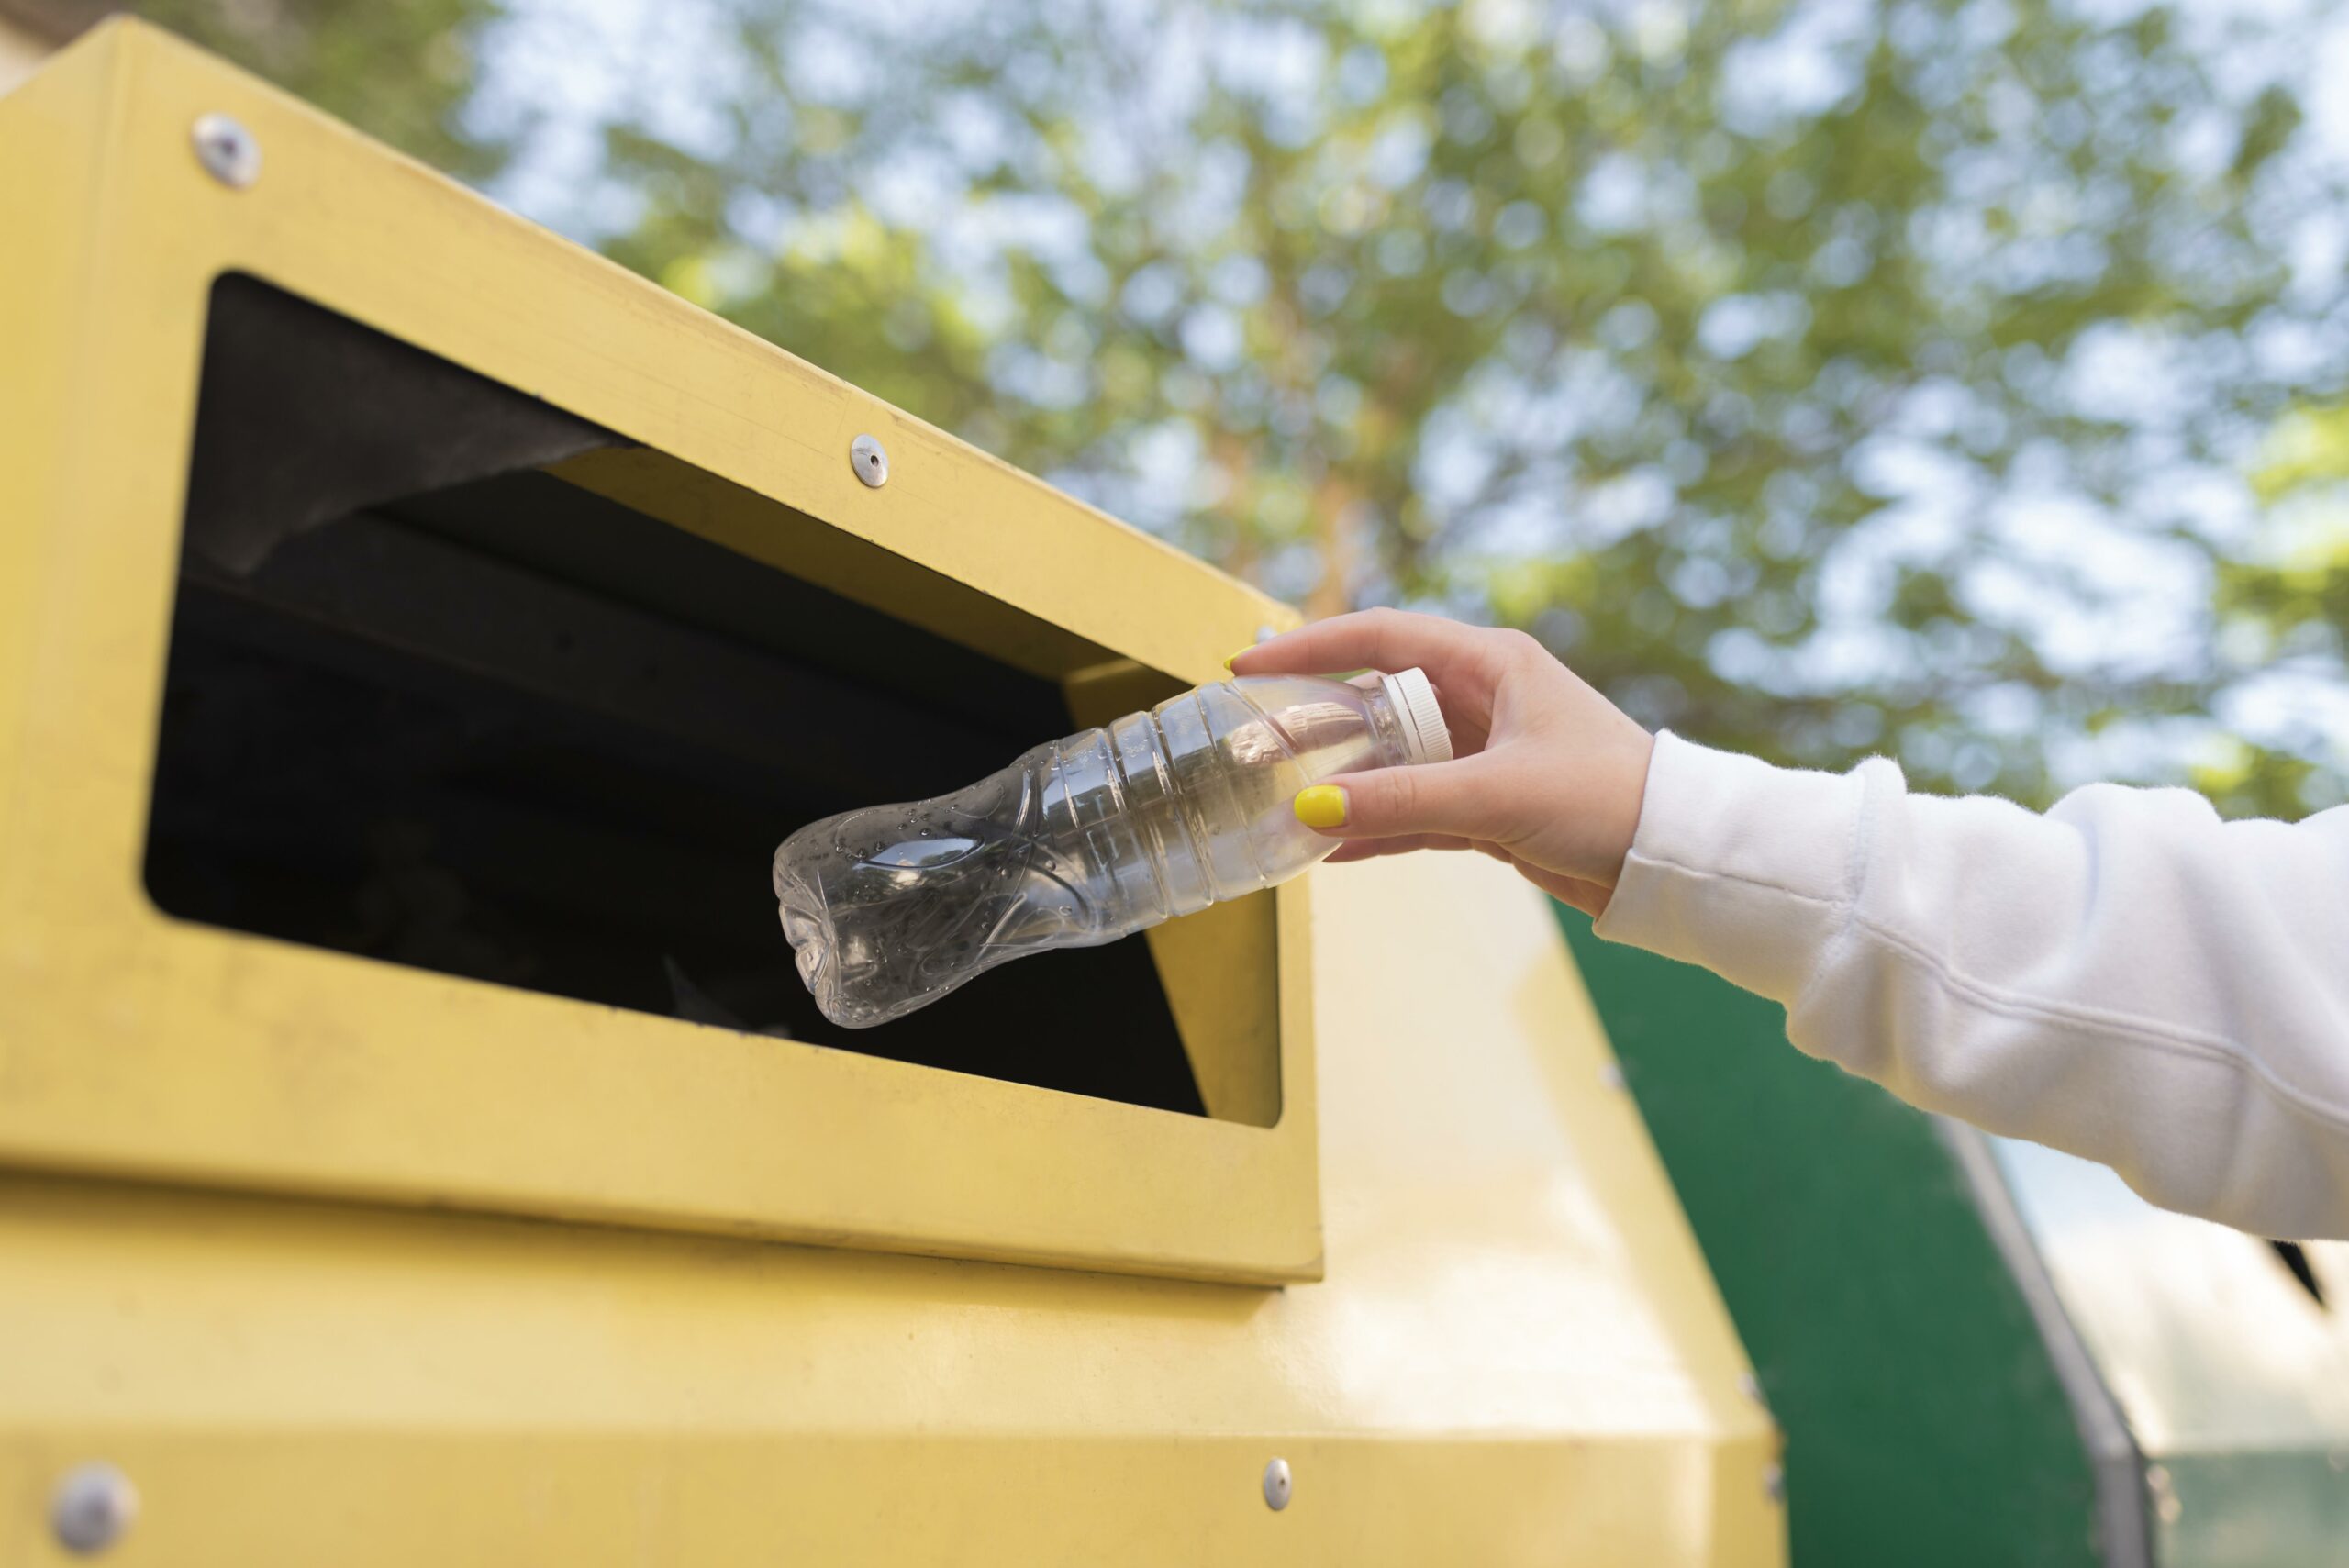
(1425, 737)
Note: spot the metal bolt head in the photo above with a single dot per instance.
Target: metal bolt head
(1774, 1482)
(871, 463)
(1277, 1484)
(1750, 1386)
(92, 1507)
(227, 150)
(1611, 1074)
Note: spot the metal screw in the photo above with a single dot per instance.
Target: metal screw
(1750, 1386)
(1266, 633)
(1277, 1484)
(871, 463)
(92, 1507)
(1774, 1482)
(228, 150)
(1611, 1074)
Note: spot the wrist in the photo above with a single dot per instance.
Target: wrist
(1624, 797)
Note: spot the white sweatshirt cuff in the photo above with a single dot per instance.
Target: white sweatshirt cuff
(1746, 869)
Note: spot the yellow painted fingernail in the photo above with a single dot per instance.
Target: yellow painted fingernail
(1234, 654)
(1321, 806)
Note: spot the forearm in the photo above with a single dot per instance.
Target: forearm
(2126, 978)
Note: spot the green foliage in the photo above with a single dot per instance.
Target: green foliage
(1816, 378)
(1753, 411)
(2288, 603)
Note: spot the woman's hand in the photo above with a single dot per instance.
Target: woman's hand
(1547, 774)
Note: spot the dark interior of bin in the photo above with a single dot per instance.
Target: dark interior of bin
(431, 705)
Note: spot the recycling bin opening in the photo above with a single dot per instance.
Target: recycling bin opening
(429, 704)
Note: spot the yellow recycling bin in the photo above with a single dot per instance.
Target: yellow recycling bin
(414, 1144)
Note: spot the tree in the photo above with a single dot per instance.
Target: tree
(2284, 613)
(1861, 398)
(1817, 378)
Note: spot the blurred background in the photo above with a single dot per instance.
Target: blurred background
(1965, 379)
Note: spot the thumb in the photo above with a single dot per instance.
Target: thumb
(1455, 799)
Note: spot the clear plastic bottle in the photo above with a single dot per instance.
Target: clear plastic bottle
(1086, 840)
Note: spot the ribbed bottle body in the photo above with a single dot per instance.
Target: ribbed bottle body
(1077, 842)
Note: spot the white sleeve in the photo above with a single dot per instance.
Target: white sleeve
(2127, 977)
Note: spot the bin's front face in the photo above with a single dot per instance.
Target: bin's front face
(414, 633)
(313, 500)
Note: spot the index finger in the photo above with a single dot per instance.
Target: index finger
(1383, 639)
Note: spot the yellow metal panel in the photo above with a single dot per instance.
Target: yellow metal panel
(1517, 1356)
(133, 1043)
(55, 133)
(1226, 1002)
